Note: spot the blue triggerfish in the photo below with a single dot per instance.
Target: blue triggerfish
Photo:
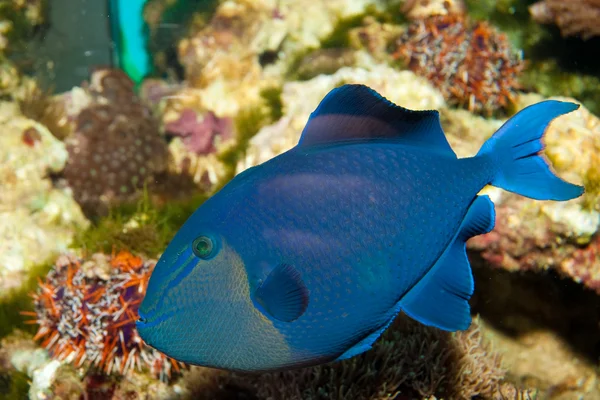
(308, 257)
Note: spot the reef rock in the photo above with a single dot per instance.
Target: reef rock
(574, 17)
(33, 214)
(248, 45)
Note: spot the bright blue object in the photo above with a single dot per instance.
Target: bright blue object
(310, 256)
(130, 35)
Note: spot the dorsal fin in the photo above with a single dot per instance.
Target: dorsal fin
(357, 112)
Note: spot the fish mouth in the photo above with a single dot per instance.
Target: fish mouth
(145, 321)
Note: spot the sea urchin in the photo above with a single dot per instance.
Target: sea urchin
(86, 311)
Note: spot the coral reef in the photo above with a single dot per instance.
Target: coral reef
(373, 37)
(324, 61)
(473, 65)
(116, 148)
(574, 18)
(33, 214)
(254, 71)
(86, 312)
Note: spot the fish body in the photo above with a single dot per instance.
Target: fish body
(308, 257)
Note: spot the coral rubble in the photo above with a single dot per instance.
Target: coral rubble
(574, 17)
(86, 312)
(473, 65)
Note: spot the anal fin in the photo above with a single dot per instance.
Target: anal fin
(367, 342)
(441, 297)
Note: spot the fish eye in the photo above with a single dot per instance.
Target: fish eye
(203, 247)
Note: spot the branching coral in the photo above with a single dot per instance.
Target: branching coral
(471, 65)
(86, 312)
(573, 17)
(116, 148)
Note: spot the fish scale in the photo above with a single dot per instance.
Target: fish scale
(308, 257)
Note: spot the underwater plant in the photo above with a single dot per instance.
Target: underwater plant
(86, 311)
(472, 65)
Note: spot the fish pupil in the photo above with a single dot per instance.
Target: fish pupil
(202, 247)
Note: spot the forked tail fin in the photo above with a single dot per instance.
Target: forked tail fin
(516, 147)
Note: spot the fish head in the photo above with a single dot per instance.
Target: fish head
(198, 309)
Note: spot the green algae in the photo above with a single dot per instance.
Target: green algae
(591, 182)
(22, 27)
(144, 228)
(247, 124)
(548, 79)
(272, 98)
(18, 300)
(14, 385)
(340, 37)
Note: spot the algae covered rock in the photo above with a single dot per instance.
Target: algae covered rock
(248, 45)
(33, 214)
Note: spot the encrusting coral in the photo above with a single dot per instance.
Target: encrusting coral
(116, 148)
(573, 17)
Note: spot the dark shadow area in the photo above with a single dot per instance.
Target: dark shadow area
(571, 54)
(517, 303)
(174, 24)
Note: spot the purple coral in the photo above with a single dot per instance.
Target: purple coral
(199, 135)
